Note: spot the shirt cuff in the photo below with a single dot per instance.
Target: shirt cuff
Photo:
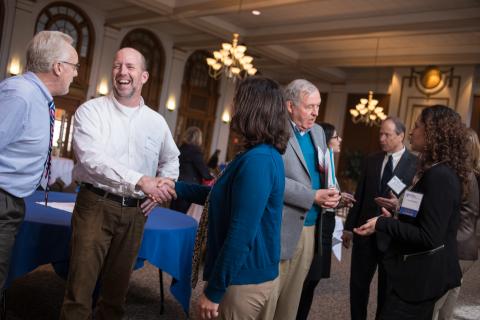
(131, 180)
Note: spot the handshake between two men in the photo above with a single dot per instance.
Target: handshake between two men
(158, 190)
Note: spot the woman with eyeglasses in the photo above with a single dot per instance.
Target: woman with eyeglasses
(421, 262)
(320, 267)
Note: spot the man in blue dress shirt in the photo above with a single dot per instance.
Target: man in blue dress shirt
(25, 103)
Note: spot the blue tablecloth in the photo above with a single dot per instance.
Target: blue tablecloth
(44, 238)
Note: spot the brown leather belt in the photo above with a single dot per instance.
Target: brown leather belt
(124, 201)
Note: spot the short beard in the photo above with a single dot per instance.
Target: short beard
(128, 95)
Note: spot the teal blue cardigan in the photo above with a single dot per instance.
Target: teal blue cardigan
(245, 215)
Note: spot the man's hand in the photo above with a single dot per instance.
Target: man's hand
(391, 203)
(327, 198)
(347, 200)
(147, 206)
(158, 189)
(347, 237)
(368, 228)
(206, 308)
(386, 213)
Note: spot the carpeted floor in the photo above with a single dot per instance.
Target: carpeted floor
(39, 295)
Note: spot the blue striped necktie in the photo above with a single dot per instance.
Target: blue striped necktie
(48, 161)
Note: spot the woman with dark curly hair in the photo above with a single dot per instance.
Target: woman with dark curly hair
(244, 207)
(467, 229)
(421, 262)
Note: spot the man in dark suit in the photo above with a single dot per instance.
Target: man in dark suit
(372, 193)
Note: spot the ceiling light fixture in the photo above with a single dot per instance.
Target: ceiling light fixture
(231, 61)
(368, 111)
(256, 12)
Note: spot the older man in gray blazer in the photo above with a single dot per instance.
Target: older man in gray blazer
(305, 195)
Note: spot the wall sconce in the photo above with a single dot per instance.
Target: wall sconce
(103, 88)
(171, 105)
(226, 116)
(14, 68)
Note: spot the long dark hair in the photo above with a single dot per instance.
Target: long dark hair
(445, 141)
(328, 129)
(260, 114)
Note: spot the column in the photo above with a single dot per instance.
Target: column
(173, 87)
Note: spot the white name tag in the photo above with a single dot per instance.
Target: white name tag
(396, 185)
(411, 203)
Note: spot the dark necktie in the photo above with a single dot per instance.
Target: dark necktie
(48, 161)
(387, 176)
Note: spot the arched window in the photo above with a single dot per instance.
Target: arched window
(67, 18)
(198, 103)
(2, 15)
(148, 44)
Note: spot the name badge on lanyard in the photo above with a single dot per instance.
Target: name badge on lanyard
(411, 203)
(396, 185)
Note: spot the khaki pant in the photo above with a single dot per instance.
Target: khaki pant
(105, 241)
(245, 302)
(445, 306)
(285, 297)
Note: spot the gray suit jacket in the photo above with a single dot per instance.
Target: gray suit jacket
(299, 196)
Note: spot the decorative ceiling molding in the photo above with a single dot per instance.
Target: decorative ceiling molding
(317, 38)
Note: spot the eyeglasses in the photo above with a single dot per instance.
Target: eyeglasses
(336, 137)
(75, 65)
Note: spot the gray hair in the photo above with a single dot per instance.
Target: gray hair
(399, 126)
(46, 48)
(297, 89)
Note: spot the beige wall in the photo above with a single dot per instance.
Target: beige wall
(407, 100)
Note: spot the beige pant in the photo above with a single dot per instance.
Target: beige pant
(245, 302)
(444, 307)
(285, 297)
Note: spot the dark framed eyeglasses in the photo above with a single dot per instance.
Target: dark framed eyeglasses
(336, 137)
(75, 65)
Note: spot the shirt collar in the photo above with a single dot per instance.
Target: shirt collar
(397, 154)
(119, 106)
(296, 129)
(35, 79)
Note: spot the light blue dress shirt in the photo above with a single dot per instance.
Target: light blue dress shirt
(24, 133)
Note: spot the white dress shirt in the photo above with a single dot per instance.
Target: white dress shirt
(395, 159)
(115, 146)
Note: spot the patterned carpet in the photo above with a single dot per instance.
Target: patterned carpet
(39, 294)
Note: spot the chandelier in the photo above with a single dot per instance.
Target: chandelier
(231, 61)
(367, 111)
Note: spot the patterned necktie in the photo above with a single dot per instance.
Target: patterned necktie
(200, 240)
(48, 161)
(387, 176)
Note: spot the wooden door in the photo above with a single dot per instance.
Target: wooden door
(198, 103)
